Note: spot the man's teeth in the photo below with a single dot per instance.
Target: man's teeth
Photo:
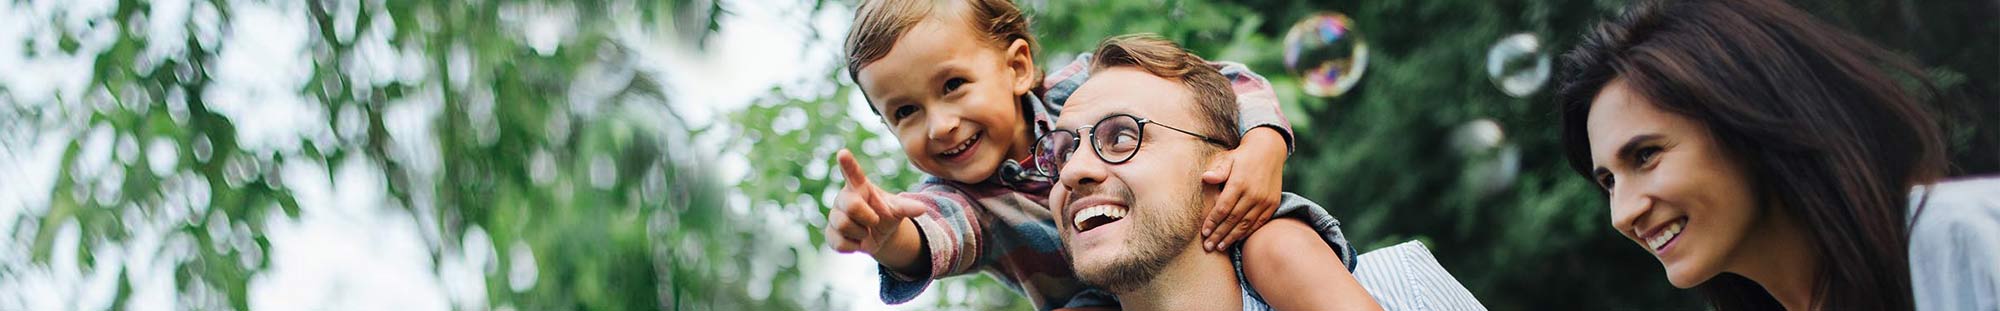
(1673, 230)
(1108, 211)
(955, 150)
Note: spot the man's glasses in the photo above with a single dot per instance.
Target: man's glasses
(1116, 138)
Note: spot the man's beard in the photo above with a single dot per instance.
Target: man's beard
(1156, 239)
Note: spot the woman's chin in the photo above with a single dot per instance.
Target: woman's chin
(1685, 279)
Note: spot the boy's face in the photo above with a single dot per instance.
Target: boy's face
(951, 98)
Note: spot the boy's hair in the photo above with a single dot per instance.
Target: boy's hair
(1213, 99)
(879, 23)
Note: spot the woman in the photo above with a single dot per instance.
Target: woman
(1765, 157)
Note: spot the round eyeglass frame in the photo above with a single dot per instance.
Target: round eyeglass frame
(1049, 164)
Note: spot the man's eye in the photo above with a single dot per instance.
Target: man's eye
(953, 84)
(1124, 141)
(904, 111)
(1606, 181)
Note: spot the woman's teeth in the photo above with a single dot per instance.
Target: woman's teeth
(1094, 216)
(961, 147)
(1673, 230)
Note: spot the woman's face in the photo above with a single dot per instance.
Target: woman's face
(1673, 189)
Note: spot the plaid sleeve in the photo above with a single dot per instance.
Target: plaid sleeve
(951, 232)
(1064, 80)
(1257, 100)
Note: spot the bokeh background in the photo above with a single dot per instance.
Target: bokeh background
(635, 154)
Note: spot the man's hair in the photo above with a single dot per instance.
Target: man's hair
(879, 23)
(1213, 99)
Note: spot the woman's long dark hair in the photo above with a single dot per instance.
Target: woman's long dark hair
(1827, 135)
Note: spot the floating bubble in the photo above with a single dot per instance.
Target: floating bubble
(1477, 137)
(1518, 64)
(1493, 163)
(1327, 54)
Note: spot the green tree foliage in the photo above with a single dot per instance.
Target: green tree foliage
(561, 148)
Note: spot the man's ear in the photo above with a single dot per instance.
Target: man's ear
(1021, 59)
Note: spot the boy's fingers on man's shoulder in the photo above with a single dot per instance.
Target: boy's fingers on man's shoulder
(1219, 171)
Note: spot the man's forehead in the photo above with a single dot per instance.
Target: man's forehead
(1118, 90)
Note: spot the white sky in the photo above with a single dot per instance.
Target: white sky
(347, 250)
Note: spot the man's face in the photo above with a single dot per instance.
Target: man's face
(1123, 222)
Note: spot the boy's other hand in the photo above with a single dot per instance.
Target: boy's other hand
(1252, 179)
(866, 219)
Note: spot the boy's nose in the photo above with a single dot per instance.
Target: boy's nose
(943, 127)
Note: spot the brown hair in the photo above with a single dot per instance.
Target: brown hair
(879, 23)
(1828, 136)
(1212, 95)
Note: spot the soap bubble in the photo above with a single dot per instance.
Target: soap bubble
(1477, 137)
(1492, 163)
(1518, 64)
(1327, 53)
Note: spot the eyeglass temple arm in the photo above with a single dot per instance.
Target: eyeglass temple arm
(1205, 138)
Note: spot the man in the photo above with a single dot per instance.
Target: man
(1128, 218)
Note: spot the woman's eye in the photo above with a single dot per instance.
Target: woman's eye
(1606, 181)
(1646, 155)
(953, 84)
(904, 111)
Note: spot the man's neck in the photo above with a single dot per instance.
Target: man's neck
(1194, 280)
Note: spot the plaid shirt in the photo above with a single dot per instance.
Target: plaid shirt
(1002, 226)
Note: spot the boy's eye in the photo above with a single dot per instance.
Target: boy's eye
(953, 84)
(904, 111)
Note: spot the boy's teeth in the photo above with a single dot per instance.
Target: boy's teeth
(955, 150)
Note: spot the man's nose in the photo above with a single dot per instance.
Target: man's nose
(1083, 168)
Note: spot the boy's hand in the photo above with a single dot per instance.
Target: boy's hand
(866, 219)
(1252, 177)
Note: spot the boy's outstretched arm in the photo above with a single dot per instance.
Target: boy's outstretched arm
(1292, 268)
(928, 233)
(866, 219)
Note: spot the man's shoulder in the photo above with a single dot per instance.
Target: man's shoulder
(1957, 203)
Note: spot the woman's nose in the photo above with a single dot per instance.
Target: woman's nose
(1626, 208)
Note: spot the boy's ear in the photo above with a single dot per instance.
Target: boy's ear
(1021, 60)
